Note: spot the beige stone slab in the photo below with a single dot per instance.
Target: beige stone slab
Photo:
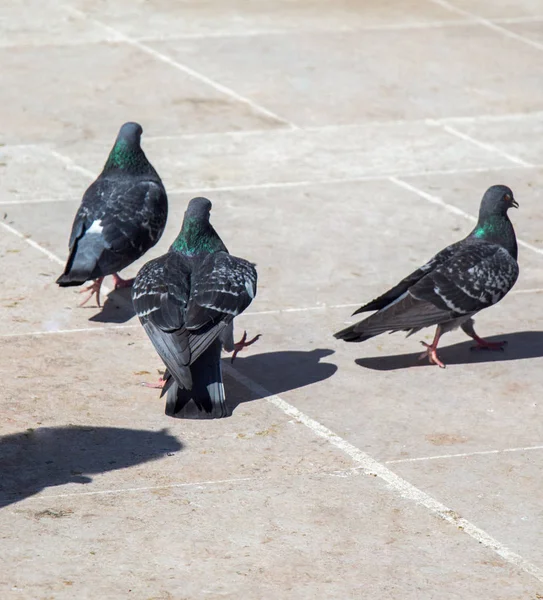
(499, 491)
(373, 75)
(33, 173)
(286, 156)
(531, 31)
(29, 299)
(503, 9)
(519, 135)
(244, 17)
(300, 537)
(48, 96)
(90, 426)
(389, 404)
(38, 22)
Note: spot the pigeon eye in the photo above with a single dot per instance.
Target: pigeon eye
(507, 198)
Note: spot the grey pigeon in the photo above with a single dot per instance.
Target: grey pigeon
(122, 214)
(456, 283)
(186, 301)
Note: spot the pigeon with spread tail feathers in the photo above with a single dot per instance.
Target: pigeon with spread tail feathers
(187, 300)
(122, 214)
(454, 285)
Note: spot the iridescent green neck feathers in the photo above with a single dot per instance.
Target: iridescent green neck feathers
(197, 237)
(126, 156)
(497, 229)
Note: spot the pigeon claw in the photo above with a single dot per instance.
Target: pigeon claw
(243, 343)
(484, 345)
(94, 288)
(431, 353)
(156, 386)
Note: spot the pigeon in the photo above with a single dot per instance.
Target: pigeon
(122, 214)
(454, 285)
(186, 301)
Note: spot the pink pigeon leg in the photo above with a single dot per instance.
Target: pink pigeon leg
(119, 282)
(431, 350)
(243, 343)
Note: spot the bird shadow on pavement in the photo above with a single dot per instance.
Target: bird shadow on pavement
(36, 459)
(520, 345)
(117, 308)
(277, 372)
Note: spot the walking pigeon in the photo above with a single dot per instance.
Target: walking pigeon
(122, 215)
(456, 283)
(186, 301)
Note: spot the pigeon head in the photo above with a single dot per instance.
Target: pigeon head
(126, 155)
(199, 208)
(497, 200)
(197, 235)
(131, 133)
(494, 225)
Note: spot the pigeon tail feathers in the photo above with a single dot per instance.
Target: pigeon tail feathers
(206, 399)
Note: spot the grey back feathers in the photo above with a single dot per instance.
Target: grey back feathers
(186, 301)
(123, 213)
(456, 283)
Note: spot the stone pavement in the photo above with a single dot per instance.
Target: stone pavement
(342, 144)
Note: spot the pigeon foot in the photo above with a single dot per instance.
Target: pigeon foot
(156, 386)
(481, 344)
(243, 343)
(119, 282)
(431, 353)
(484, 345)
(94, 288)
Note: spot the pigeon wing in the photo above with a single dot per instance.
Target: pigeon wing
(223, 286)
(160, 295)
(402, 287)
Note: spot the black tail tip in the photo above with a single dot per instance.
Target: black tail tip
(345, 334)
(65, 281)
(350, 335)
(180, 404)
(192, 410)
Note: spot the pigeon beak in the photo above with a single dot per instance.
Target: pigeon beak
(514, 203)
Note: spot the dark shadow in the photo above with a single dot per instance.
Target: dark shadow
(49, 456)
(520, 345)
(117, 307)
(277, 372)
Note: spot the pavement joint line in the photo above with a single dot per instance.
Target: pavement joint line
(486, 146)
(63, 331)
(100, 328)
(488, 23)
(394, 482)
(115, 36)
(142, 489)
(280, 311)
(50, 255)
(453, 209)
(312, 128)
(339, 180)
(69, 163)
(306, 183)
(461, 455)
(527, 291)
(524, 19)
(314, 31)
(223, 89)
